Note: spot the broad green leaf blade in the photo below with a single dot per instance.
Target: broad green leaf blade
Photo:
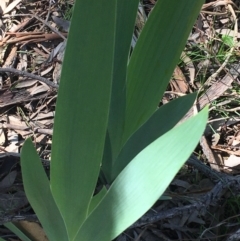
(17, 231)
(162, 120)
(142, 182)
(155, 56)
(37, 189)
(82, 109)
(125, 18)
(97, 199)
(1, 239)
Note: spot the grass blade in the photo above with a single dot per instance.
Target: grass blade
(17, 231)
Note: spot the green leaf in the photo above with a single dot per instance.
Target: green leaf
(125, 19)
(107, 161)
(154, 58)
(37, 189)
(164, 119)
(17, 231)
(97, 199)
(82, 108)
(228, 40)
(142, 182)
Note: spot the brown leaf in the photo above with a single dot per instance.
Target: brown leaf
(33, 230)
(178, 82)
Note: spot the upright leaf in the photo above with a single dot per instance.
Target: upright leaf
(155, 56)
(143, 181)
(82, 108)
(37, 189)
(124, 24)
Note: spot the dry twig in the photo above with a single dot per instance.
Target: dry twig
(32, 76)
